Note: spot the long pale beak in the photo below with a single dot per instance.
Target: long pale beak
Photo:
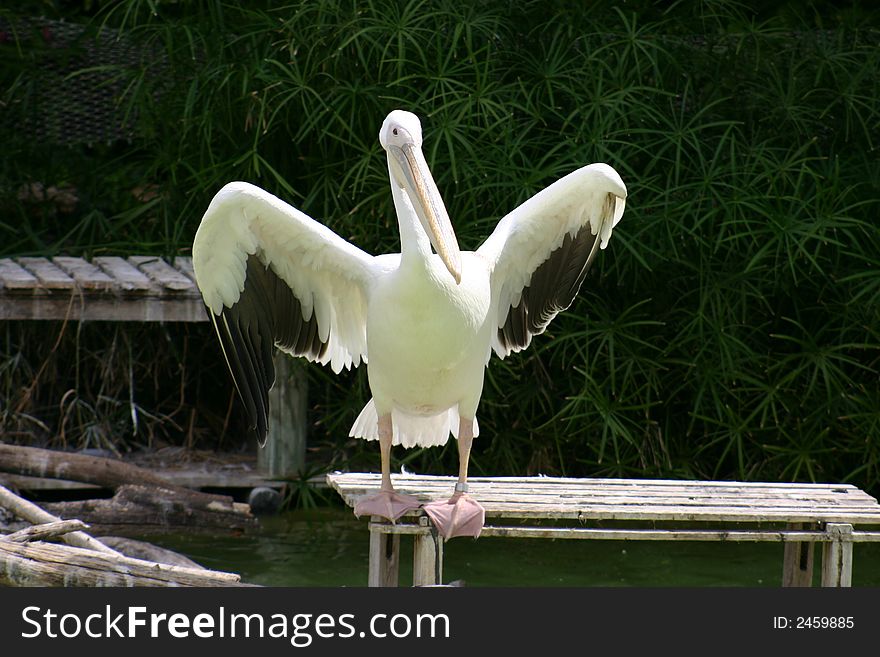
(429, 205)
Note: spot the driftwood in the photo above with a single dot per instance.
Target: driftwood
(138, 510)
(47, 564)
(110, 473)
(97, 470)
(34, 514)
(25, 560)
(144, 502)
(48, 531)
(125, 546)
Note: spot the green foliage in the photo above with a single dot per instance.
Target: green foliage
(731, 328)
(116, 388)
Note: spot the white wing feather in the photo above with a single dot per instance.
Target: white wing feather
(527, 236)
(329, 276)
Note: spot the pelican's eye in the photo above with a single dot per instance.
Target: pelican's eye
(394, 132)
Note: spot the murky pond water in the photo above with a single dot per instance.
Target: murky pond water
(329, 547)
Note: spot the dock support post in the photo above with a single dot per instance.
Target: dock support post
(427, 556)
(837, 555)
(797, 561)
(284, 455)
(384, 556)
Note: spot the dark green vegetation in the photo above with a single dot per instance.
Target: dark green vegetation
(731, 330)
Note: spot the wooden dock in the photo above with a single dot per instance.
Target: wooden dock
(797, 515)
(109, 288)
(148, 289)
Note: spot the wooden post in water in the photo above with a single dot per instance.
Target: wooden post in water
(427, 557)
(797, 561)
(837, 555)
(384, 557)
(285, 452)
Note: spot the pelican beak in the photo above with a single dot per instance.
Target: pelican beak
(422, 190)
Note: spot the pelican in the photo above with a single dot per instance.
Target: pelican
(428, 318)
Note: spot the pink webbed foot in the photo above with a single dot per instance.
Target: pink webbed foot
(460, 515)
(387, 504)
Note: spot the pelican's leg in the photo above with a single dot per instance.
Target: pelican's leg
(460, 515)
(386, 503)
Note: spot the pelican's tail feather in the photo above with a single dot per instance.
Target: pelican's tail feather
(410, 430)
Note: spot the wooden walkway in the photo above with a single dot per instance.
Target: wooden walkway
(797, 515)
(111, 288)
(148, 289)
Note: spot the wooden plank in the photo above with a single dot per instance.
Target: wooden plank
(384, 568)
(48, 274)
(86, 275)
(797, 561)
(427, 557)
(184, 264)
(15, 278)
(284, 454)
(128, 278)
(107, 307)
(837, 556)
(163, 274)
(787, 537)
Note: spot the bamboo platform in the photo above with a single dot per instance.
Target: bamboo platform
(797, 515)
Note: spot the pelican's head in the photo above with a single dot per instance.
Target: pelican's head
(401, 137)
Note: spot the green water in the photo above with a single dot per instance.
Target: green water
(329, 547)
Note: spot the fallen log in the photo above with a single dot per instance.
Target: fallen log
(25, 560)
(48, 531)
(127, 547)
(138, 510)
(51, 464)
(32, 513)
(97, 470)
(47, 564)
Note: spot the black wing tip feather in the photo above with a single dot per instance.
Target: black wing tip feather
(267, 315)
(552, 288)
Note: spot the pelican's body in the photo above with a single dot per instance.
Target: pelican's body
(427, 319)
(428, 344)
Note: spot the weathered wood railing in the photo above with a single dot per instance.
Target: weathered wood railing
(796, 515)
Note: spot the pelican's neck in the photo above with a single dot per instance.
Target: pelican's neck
(415, 247)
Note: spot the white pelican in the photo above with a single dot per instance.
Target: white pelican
(428, 321)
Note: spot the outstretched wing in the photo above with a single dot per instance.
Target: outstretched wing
(540, 253)
(273, 277)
